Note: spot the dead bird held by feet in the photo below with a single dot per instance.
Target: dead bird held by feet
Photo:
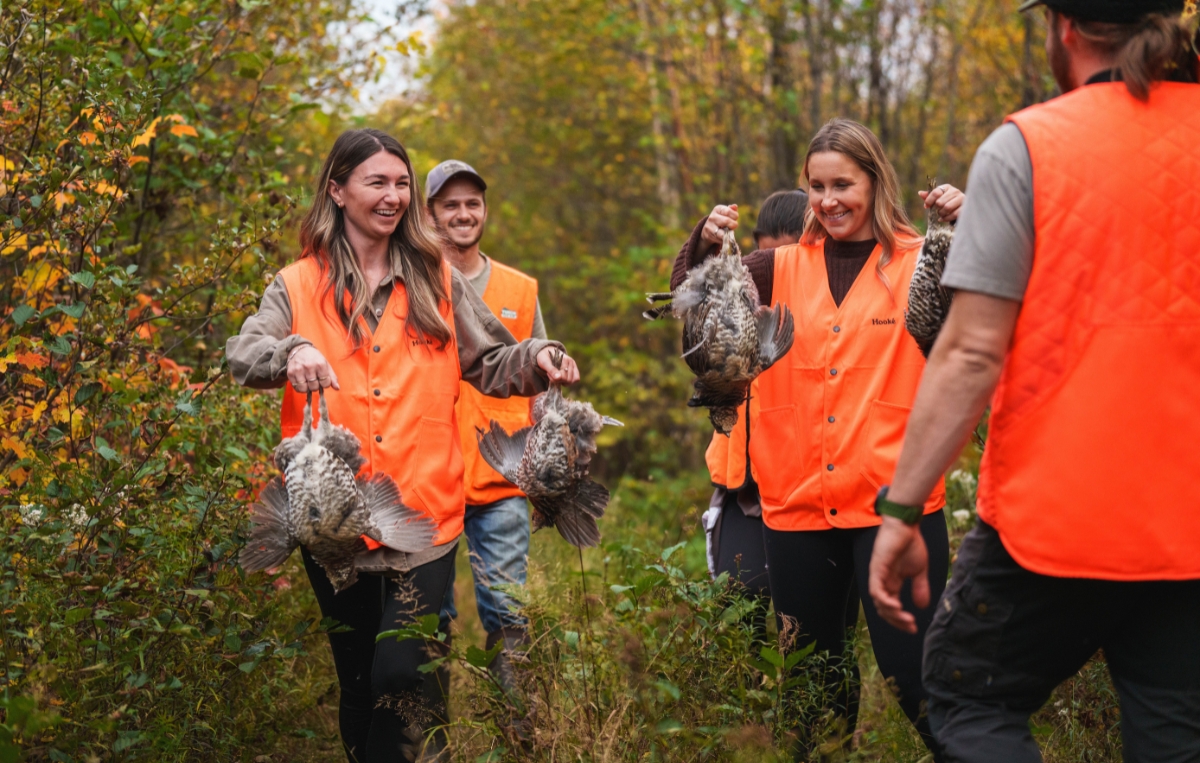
(320, 504)
(728, 337)
(928, 300)
(550, 461)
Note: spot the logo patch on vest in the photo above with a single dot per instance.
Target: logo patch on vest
(883, 321)
(508, 313)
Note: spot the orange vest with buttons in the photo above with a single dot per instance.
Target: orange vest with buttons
(512, 297)
(727, 456)
(833, 410)
(1092, 467)
(397, 395)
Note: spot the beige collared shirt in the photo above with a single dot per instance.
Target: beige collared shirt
(491, 360)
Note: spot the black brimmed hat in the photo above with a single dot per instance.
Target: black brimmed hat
(1109, 11)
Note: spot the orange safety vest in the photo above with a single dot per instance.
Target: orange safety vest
(1092, 468)
(512, 297)
(834, 409)
(728, 455)
(397, 395)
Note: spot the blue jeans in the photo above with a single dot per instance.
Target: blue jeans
(498, 541)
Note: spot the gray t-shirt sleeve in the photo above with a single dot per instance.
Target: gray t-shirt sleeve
(992, 251)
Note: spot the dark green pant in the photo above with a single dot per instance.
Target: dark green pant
(1004, 638)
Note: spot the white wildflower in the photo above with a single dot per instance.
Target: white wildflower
(962, 515)
(32, 513)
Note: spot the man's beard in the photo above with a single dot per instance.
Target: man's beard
(1060, 60)
(468, 244)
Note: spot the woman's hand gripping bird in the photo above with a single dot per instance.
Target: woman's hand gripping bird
(321, 505)
(728, 337)
(550, 462)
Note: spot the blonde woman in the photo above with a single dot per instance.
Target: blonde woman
(826, 432)
(372, 311)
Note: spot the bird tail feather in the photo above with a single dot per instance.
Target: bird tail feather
(578, 529)
(400, 527)
(269, 545)
(503, 451)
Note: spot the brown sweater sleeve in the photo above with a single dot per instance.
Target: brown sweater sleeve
(760, 263)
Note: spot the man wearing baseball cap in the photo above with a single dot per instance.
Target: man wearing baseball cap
(1076, 269)
(497, 519)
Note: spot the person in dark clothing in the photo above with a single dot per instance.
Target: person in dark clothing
(1076, 256)
(831, 411)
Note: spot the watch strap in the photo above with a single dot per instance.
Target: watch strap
(910, 515)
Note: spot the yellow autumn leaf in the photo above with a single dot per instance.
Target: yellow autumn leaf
(62, 198)
(182, 129)
(108, 189)
(5, 360)
(87, 138)
(15, 445)
(17, 244)
(137, 160)
(40, 276)
(148, 135)
(38, 410)
(32, 380)
(62, 414)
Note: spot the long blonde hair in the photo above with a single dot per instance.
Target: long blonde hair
(889, 221)
(415, 244)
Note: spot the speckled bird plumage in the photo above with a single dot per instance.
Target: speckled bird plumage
(320, 504)
(728, 337)
(928, 300)
(551, 461)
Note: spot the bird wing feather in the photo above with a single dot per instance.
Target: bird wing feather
(503, 451)
(270, 541)
(398, 526)
(776, 333)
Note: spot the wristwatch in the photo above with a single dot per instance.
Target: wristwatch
(909, 515)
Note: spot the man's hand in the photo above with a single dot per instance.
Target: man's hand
(721, 217)
(947, 199)
(567, 372)
(899, 555)
(309, 371)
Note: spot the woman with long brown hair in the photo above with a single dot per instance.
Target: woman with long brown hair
(371, 311)
(830, 414)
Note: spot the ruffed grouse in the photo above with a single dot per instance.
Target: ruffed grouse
(928, 300)
(728, 337)
(550, 462)
(321, 505)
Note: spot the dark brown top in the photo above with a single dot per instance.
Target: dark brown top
(844, 260)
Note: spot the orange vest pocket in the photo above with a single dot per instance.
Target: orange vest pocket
(774, 451)
(886, 423)
(438, 452)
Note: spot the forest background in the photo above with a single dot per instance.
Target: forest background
(154, 156)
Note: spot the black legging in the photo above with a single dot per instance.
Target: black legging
(740, 550)
(382, 692)
(812, 573)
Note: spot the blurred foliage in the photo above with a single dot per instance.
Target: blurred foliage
(146, 150)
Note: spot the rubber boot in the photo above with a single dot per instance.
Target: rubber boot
(515, 643)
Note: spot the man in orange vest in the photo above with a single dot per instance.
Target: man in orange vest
(1077, 274)
(497, 518)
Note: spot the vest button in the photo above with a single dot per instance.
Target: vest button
(379, 312)
(832, 371)
(378, 438)
(832, 419)
(376, 348)
(833, 512)
(837, 329)
(376, 393)
(829, 467)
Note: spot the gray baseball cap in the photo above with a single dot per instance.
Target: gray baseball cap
(438, 176)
